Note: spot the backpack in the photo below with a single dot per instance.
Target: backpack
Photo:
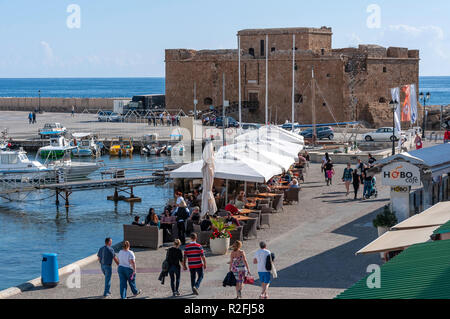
(269, 262)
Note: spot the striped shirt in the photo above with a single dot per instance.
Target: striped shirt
(194, 253)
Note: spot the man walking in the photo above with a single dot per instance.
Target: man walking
(106, 255)
(194, 255)
(34, 117)
(264, 275)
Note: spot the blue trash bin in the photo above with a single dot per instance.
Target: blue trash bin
(50, 275)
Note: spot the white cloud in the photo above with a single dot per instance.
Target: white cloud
(419, 31)
(49, 57)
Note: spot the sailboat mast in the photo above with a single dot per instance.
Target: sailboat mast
(313, 106)
(293, 81)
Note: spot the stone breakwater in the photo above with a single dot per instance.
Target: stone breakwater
(50, 104)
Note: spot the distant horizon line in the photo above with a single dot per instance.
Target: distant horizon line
(130, 77)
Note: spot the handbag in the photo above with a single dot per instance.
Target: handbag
(272, 269)
(249, 280)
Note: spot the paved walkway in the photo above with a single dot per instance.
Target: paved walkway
(315, 244)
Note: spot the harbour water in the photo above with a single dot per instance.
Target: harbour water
(439, 87)
(32, 227)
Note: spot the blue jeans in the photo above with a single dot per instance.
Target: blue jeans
(124, 276)
(199, 273)
(174, 273)
(367, 186)
(107, 271)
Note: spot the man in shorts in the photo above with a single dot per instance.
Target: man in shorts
(264, 275)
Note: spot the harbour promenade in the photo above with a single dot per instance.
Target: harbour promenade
(314, 243)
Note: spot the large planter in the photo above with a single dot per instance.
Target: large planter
(219, 246)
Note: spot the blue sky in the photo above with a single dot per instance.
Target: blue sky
(128, 38)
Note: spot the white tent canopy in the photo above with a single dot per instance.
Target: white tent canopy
(271, 133)
(398, 240)
(245, 169)
(257, 153)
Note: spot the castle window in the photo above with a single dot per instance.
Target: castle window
(262, 47)
(324, 104)
(251, 51)
(384, 69)
(322, 51)
(272, 50)
(382, 100)
(298, 98)
(208, 101)
(328, 75)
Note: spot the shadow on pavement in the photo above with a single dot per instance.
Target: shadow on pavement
(337, 268)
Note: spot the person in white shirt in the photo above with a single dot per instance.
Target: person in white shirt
(127, 271)
(264, 275)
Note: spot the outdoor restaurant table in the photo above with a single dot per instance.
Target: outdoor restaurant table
(243, 218)
(254, 199)
(267, 195)
(250, 205)
(247, 211)
(280, 187)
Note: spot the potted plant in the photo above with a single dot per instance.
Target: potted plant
(385, 220)
(220, 237)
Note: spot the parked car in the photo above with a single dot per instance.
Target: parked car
(250, 126)
(109, 116)
(383, 134)
(288, 126)
(322, 132)
(229, 122)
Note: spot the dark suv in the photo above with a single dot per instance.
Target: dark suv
(229, 122)
(322, 132)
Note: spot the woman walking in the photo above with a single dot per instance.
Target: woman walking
(348, 177)
(175, 260)
(239, 267)
(127, 271)
(325, 160)
(329, 172)
(356, 183)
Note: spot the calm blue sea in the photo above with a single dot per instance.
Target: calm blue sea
(439, 87)
(34, 226)
(81, 87)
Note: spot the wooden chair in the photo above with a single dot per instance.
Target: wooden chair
(237, 234)
(265, 219)
(277, 204)
(204, 237)
(292, 195)
(258, 219)
(250, 229)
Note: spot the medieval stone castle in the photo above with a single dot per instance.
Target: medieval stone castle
(351, 84)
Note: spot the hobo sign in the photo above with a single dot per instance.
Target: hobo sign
(401, 174)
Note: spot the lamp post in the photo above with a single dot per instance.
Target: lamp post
(424, 98)
(394, 106)
(39, 92)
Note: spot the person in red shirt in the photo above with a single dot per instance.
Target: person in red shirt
(195, 257)
(447, 136)
(418, 142)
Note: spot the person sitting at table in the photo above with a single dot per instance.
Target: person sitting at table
(231, 220)
(239, 202)
(263, 188)
(152, 219)
(294, 184)
(166, 225)
(231, 208)
(193, 219)
(206, 224)
(137, 222)
(244, 197)
(286, 177)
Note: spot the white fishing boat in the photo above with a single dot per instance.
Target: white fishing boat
(71, 170)
(52, 129)
(86, 145)
(16, 166)
(56, 150)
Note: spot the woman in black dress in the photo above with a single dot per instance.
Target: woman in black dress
(174, 259)
(356, 183)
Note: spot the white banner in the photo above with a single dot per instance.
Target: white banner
(395, 92)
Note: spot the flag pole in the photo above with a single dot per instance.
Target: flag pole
(293, 81)
(239, 71)
(267, 81)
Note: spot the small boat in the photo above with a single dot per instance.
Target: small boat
(121, 147)
(16, 166)
(56, 150)
(67, 169)
(86, 145)
(155, 150)
(51, 130)
(175, 150)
